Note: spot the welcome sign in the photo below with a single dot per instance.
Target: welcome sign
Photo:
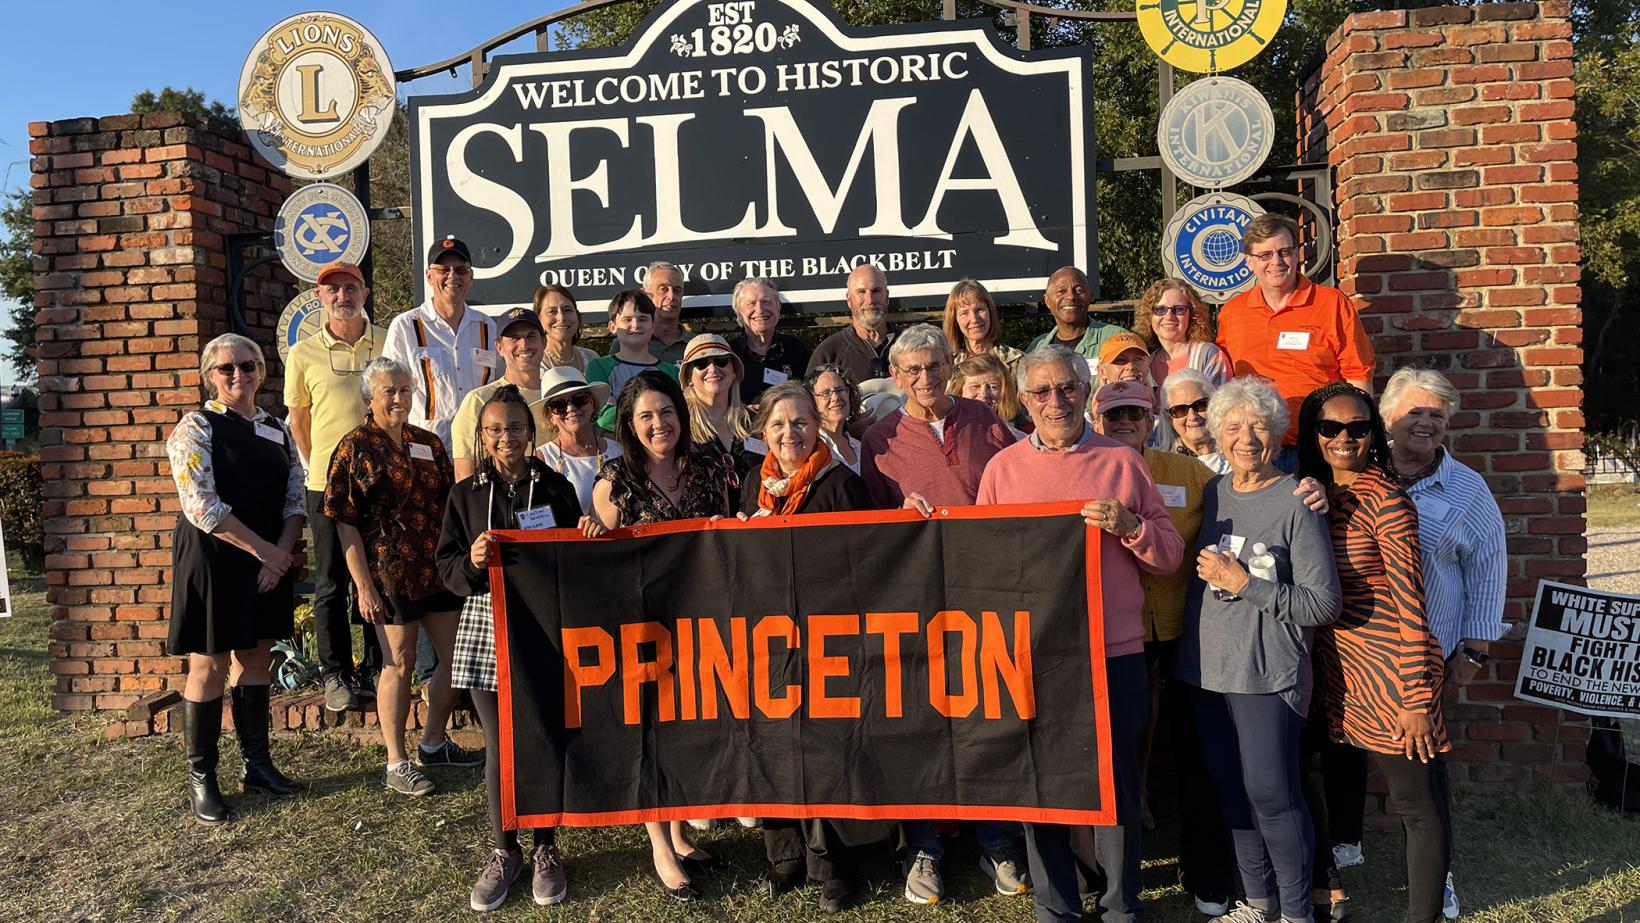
(860, 665)
(764, 138)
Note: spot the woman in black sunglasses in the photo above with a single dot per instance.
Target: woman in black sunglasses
(710, 375)
(1379, 666)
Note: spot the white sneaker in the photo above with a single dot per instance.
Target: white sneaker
(1209, 908)
(1346, 855)
(701, 824)
(1449, 900)
(751, 823)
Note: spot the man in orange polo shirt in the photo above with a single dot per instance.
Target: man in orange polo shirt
(1296, 333)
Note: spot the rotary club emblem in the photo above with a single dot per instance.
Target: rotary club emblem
(1209, 36)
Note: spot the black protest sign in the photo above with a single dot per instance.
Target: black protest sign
(870, 665)
(1582, 651)
(764, 138)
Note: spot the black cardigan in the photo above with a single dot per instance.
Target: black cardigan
(839, 490)
(468, 510)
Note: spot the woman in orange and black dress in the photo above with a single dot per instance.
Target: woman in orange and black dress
(1379, 667)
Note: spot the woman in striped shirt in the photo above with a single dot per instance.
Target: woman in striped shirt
(1380, 667)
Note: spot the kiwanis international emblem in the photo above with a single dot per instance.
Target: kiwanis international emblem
(316, 95)
(320, 224)
(1208, 36)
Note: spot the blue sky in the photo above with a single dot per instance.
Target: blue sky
(122, 48)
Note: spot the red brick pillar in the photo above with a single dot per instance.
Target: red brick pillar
(132, 214)
(1450, 132)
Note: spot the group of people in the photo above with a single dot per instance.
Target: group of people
(1293, 570)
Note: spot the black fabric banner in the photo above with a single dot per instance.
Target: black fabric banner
(873, 665)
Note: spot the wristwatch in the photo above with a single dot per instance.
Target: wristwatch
(1478, 658)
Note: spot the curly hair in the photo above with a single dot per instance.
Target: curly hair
(843, 376)
(1311, 463)
(1200, 329)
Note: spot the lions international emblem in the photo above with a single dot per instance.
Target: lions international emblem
(316, 95)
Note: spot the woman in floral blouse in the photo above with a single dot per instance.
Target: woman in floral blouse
(241, 486)
(661, 475)
(386, 490)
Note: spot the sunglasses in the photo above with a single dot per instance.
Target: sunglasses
(1119, 414)
(1182, 310)
(1329, 429)
(1178, 411)
(561, 407)
(716, 362)
(246, 367)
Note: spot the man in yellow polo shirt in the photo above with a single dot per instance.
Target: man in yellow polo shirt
(322, 394)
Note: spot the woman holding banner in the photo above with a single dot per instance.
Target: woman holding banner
(801, 475)
(1380, 665)
(240, 483)
(509, 490)
(1265, 580)
(661, 475)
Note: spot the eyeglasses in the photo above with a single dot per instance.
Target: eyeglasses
(1329, 429)
(1120, 414)
(1164, 310)
(1069, 390)
(561, 407)
(1178, 411)
(517, 431)
(1286, 254)
(716, 362)
(917, 371)
(830, 393)
(459, 272)
(226, 369)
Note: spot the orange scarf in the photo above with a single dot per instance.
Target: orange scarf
(783, 496)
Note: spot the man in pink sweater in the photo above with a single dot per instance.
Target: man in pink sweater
(933, 451)
(1064, 459)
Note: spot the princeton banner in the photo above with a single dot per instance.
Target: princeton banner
(851, 665)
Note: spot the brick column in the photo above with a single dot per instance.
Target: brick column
(131, 218)
(1451, 135)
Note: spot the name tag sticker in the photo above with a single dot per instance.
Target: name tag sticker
(1231, 543)
(270, 433)
(483, 356)
(421, 451)
(774, 376)
(1432, 510)
(538, 517)
(1172, 494)
(1293, 339)
(755, 446)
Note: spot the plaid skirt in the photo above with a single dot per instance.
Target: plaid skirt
(472, 666)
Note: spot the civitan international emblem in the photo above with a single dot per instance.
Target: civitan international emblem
(1202, 244)
(1208, 36)
(316, 95)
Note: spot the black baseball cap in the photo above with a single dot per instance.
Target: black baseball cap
(447, 245)
(519, 316)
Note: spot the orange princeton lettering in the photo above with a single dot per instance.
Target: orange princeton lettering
(891, 625)
(768, 629)
(1014, 672)
(635, 672)
(686, 669)
(822, 667)
(577, 676)
(718, 665)
(963, 703)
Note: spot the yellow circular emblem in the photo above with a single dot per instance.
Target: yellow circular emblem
(1209, 36)
(316, 95)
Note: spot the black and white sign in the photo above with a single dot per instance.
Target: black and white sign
(764, 138)
(1582, 651)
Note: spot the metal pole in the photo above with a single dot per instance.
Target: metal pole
(361, 190)
(948, 10)
(1170, 187)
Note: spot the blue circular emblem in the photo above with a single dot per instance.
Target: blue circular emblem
(301, 317)
(320, 224)
(1202, 244)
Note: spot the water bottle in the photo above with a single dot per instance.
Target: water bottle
(1262, 564)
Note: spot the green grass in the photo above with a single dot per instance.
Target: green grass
(97, 831)
(1614, 506)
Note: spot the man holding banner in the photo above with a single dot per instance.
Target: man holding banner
(1064, 459)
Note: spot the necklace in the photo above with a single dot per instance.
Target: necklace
(558, 465)
(1421, 473)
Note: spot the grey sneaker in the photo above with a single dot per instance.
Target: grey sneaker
(499, 872)
(406, 779)
(1246, 913)
(1449, 900)
(922, 880)
(1006, 874)
(338, 695)
(1347, 855)
(449, 753)
(548, 882)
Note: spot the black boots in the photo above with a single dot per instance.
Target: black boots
(201, 729)
(250, 722)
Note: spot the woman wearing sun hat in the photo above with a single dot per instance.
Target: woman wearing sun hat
(570, 441)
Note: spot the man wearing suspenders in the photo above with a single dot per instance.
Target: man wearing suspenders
(450, 350)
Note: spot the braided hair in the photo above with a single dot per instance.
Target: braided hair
(1311, 463)
(507, 394)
